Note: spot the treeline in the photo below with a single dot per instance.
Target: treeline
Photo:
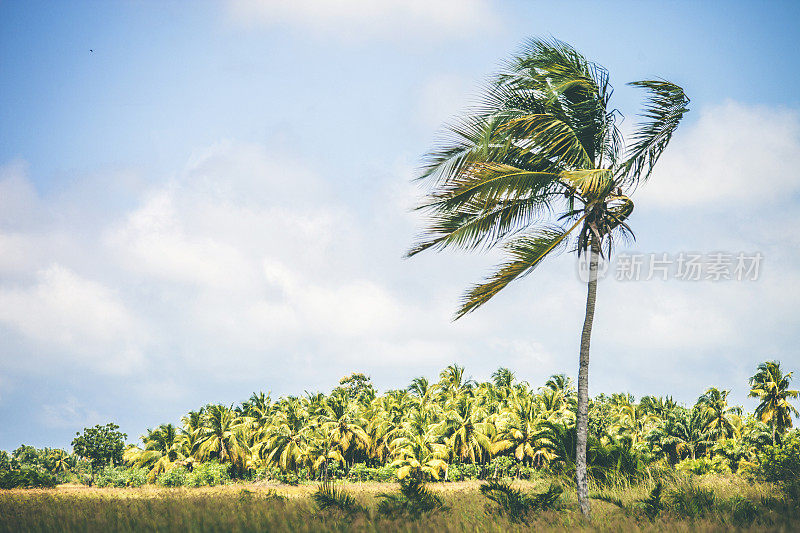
(451, 429)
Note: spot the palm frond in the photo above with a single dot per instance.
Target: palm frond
(526, 252)
(546, 134)
(591, 183)
(664, 109)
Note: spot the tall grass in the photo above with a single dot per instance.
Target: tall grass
(703, 504)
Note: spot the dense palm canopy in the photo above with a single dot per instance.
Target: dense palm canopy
(498, 424)
(540, 166)
(430, 427)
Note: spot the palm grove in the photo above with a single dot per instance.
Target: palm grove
(448, 430)
(539, 167)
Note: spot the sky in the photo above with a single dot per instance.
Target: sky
(202, 200)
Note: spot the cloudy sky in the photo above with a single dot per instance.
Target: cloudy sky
(198, 201)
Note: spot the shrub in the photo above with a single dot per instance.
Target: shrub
(358, 472)
(501, 466)
(208, 474)
(120, 476)
(704, 465)
(780, 463)
(414, 500)
(742, 510)
(330, 498)
(514, 503)
(27, 477)
(362, 472)
(690, 500)
(652, 505)
(455, 473)
(471, 470)
(111, 476)
(174, 477)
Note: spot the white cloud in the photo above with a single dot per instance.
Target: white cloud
(65, 312)
(733, 158)
(244, 268)
(358, 20)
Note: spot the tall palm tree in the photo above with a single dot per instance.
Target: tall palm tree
(541, 160)
(771, 386)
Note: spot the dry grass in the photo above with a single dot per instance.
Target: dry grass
(268, 507)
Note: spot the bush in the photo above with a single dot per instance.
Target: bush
(780, 463)
(471, 471)
(514, 503)
(362, 472)
(689, 500)
(454, 473)
(501, 466)
(414, 500)
(704, 465)
(208, 474)
(176, 476)
(119, 476)
(328, 497)
(27, 477)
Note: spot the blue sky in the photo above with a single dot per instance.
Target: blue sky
(216, 201)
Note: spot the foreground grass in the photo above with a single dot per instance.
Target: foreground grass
(736, 505)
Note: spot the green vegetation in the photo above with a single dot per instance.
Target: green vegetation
(541, 167)
(451, 430)
(540, 164)
(100, 445)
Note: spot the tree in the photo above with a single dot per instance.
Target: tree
(540, 160)
(358, 387)
(162, 448)
(101, 445)
(721, 421)
(771, 386)
(220, 437)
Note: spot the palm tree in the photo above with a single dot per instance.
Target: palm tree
(721, 421)
(545, 146)
(519, 428)
(771, 386)
(221, 437)
(465, 429)
(503, 378)
(285, 442)
(162, 449)
(452, 383)
(345, 426)
(418, 452)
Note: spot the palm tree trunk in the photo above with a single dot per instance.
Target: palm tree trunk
(582, 421)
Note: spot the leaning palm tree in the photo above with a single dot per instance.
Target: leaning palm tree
(771, 386)
(541, 164)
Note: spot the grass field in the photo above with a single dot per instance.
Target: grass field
(735, 505)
